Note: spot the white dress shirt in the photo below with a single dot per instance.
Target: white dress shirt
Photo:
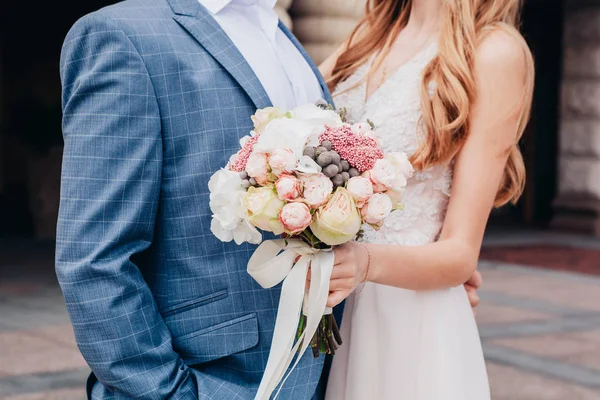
(253, 26)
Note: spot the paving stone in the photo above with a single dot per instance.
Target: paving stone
(491, 314)
(509, 383)
(559, 346)
(33, 352)
(60, 394)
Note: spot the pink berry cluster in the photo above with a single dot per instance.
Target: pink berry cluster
(241, 158)
(359, 150)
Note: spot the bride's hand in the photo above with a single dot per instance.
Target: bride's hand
(349, 271)
(471, 286)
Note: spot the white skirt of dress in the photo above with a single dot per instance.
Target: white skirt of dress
(406, 345)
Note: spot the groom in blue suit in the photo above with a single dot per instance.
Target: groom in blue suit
(156, 95)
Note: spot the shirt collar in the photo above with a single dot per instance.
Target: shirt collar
(216, 6)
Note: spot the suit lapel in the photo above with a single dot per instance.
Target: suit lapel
(198, 21)
(310, 62)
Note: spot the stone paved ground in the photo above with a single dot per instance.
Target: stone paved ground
(540, 328)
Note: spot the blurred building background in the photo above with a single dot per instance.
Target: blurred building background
(561, 145)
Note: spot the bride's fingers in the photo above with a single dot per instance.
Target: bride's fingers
(472, 295)
(336, 298)
(341, 284)
(342, 271)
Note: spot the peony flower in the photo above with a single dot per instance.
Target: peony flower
(338, 221)
(401, 163)
(263, 207)
(288, 187)
(263, 116)
(363, 128)
(317, 189)
(282, 160)
(295, 217)
(317, 116)
(229, 214)
(257, 167)
(392, 171)
(289, 134)
(360, 188)
(377, 209)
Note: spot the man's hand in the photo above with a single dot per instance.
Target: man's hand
(471, 286)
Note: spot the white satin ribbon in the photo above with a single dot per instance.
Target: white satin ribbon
(271, 263)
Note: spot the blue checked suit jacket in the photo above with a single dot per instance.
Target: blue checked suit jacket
(155, 99)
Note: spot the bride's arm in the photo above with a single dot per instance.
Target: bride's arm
(500, 75)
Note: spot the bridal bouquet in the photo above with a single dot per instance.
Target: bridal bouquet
(314, 179)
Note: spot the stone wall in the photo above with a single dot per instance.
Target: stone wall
(577, 205)
(322, 25)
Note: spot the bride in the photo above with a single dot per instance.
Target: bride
(449, 82)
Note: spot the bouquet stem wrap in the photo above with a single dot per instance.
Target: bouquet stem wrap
(279, 260)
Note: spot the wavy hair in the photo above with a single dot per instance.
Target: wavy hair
(445, 115)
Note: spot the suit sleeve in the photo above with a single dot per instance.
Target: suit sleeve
(110, 187)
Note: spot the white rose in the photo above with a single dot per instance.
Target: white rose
(377, 209)
(317, 189)
(229, 215)
(263, 207)
(257, 167)
(360, 188)
(283, 160)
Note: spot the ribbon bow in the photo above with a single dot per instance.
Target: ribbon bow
(275, 261)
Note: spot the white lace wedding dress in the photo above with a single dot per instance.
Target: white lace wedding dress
(401, 344)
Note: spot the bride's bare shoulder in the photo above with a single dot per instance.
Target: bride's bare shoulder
(503, 48)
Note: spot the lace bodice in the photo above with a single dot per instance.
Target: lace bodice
(394, 108)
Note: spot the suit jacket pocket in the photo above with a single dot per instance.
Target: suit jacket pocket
(218, 341)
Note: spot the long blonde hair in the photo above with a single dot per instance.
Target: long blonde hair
(445, 115)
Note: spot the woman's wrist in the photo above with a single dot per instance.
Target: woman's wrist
(365, 266)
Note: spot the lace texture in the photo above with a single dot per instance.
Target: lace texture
(395, 110)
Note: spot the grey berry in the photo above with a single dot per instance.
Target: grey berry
(326, 144)
(245, 183)
(338, 180)
(243, 175)
(322, 104)
(320, 150)
(309, 151)
(353, 172)
(331, 170)
(346, 176)
(336, 158)
(345, 165)
(325, 159)
(252, 182)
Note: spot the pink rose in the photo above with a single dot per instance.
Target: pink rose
(383, 173)
(295, 217)
(377, 209)
(282, 160)
(391, 172)
(257, 167)
(317, 189)
(288, 187)
(360, 188)
(377, 187)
